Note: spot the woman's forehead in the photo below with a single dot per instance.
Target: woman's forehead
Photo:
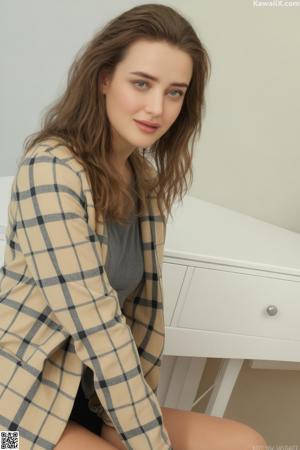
(157, 59)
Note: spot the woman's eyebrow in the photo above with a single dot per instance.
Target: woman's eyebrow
(151, 77)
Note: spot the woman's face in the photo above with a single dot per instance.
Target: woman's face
(131, 97)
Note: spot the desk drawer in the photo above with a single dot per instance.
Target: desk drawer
(236, 303)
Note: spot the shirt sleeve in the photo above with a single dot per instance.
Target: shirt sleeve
(62, 252)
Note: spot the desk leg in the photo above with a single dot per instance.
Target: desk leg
(224, 384)
(180, 378)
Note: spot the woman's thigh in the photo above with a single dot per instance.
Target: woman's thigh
(190, 430)
(77, 437)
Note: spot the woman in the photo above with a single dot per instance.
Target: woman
(81, 294)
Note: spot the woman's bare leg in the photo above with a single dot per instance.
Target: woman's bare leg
(77, 437)
(190, 430)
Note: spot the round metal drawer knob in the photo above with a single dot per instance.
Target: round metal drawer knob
(272, 310)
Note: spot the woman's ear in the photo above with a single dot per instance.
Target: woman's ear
(104, 82)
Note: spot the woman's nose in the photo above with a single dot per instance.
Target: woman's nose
(154, 105)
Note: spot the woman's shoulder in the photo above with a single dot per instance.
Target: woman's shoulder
(53, 148)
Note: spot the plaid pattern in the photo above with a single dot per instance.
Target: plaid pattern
(58, 311)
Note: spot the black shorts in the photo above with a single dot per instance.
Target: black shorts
(83, 415)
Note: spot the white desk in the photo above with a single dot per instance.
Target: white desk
(232, 291)
(5, 187)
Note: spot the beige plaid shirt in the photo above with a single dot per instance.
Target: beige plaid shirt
(58, 311)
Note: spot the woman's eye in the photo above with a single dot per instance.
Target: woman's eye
(142, 81)
(179, 92)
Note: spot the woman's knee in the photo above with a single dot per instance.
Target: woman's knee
(197, 431)
(244, 437)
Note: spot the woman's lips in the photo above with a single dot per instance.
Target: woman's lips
(145, 128)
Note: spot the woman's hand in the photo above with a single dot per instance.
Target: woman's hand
(111, 436)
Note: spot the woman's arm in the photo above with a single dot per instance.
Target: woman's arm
(64, 256)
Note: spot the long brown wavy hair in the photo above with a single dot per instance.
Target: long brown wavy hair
(78, 118)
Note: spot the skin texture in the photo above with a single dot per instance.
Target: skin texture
(130, 97)
(190, 430)
(77, 437)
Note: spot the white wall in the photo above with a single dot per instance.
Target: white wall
(41, 40)
(248, 156)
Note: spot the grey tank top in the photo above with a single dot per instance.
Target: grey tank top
(124, 266)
